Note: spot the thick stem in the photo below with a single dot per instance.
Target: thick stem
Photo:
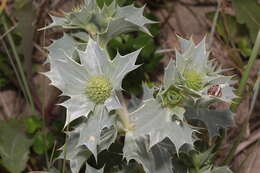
(124, 119)
(123, 115)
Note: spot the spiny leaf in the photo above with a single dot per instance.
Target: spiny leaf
(171, 75)
(65, 46)
(213, 119)
(157, 122)
(107, 137)
(76, 155)
(155, 160)
(127, 19)
(90, 169)
(90, 131)
(123, 65)
(14, 146)
(147, 92)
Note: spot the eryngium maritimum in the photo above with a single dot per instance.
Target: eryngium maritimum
(194, 72)
(92, 81)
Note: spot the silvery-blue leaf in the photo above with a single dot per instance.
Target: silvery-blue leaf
(147, 92)
(127, 19)
(213, 119)
(113, 103)
(90, 169)
(95, 59)
(185, 44)
(76, 107)
(56, 21)
(107, 137)
(76, 155)
(90, 131)
(157, 122)
(200, 56)
(67, 75)
(171, 75)
(65, 45)
(122, 65)
(179, 112)
(134, 103)
(155, 160)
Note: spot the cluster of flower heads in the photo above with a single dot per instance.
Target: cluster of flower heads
(94, 81)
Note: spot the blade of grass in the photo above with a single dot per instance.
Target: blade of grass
(245, 75)
(15, 69)
(18, 62)
(213, 28)
(240, 92)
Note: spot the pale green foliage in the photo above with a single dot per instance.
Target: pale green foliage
(156, 159)
(158, 123)
(213, 119)
(155, 128)
(14, 146)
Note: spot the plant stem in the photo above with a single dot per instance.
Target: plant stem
(123, 114)
(240, 91)
(19, 64)
(245, 75)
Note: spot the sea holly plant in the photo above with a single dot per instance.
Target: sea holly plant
(150, 134)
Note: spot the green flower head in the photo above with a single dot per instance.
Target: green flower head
(98, 89)
(196, 74)
(91, 82)
(104, 22)
(172, 97)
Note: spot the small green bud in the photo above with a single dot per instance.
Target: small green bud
(172, 97)
(194, 80)
(98, 89)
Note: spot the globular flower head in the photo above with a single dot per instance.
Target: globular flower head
(196, 75)
(193, 79)
(91, 82)
(98, 89)
(102, 23)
